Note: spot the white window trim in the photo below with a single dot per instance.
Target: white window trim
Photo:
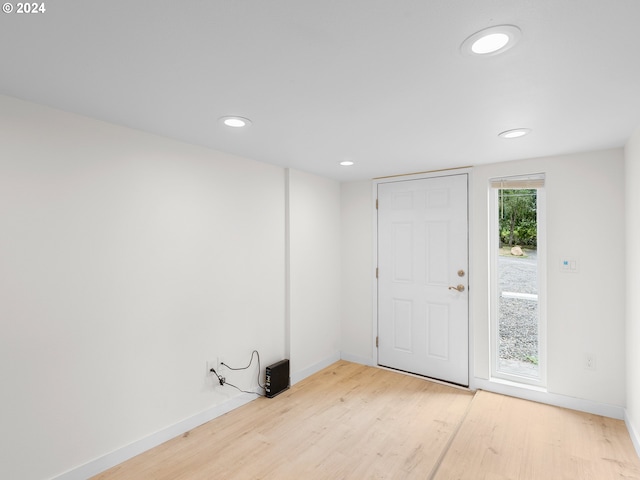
(529, 181)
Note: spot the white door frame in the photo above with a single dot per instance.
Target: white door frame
(374, 280)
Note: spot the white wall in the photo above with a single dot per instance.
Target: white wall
(358, 271)
(127, 261)
(632, 258)
(314, 272)
(585, 310)
(585, 219)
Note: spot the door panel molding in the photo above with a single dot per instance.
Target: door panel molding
(438, 230)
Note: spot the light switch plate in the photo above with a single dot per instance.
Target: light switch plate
(569, 265)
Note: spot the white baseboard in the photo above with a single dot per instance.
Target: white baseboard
(633, 431)
(120, 455)
(100, 464)
(540, 396)
(357, 359)
(306, 372)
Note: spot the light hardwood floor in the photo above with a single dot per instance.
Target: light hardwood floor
(355, 422)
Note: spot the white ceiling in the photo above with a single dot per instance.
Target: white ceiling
(380, 82)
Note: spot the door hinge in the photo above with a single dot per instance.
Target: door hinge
(376, 203)
(376, 272)
(376, 342)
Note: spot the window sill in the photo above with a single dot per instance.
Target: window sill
(514, 384)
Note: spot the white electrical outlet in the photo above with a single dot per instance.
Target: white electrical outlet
(212, 364)
(219, 366)
(589, 361)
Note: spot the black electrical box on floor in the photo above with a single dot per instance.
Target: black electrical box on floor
(277, 378)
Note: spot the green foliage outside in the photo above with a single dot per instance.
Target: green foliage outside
(517, 213)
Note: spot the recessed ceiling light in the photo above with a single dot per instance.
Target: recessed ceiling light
(491, 41)
(346, 163)
(515, 133)
(235, 122)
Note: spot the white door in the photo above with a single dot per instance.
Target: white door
(423, 314)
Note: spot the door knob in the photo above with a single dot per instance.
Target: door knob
(459, 288)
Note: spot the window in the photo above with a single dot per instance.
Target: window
(517, 273)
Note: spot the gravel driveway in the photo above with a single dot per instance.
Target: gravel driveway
(518, 313)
